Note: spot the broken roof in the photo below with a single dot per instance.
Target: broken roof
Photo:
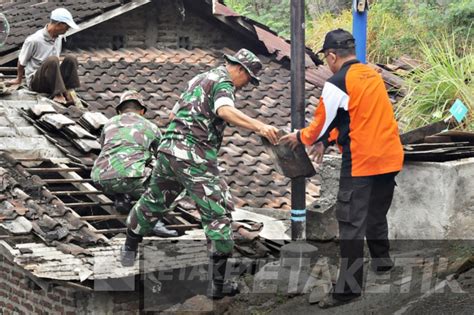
(160, 76)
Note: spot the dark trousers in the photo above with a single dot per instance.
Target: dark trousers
(361, 209)
(54, 77)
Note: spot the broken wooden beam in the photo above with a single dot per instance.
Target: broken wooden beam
(56, 169)
(419, 134)
(172, 227)
(104, 217)
(67, 181)
(75, 192)
(88, 204)
(432, 146)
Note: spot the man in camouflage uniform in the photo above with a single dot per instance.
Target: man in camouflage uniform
(125, 163)
(187, 158)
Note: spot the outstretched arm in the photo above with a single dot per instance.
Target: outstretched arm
(235, 117)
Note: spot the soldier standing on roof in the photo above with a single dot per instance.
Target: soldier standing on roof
(126, 161)
(187, 158)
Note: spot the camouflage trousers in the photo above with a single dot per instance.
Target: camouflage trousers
(202, 184)
(133, 186)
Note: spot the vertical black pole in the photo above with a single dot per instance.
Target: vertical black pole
(298, 189)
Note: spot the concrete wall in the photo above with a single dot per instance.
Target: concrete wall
(434, 201)
(158, 24)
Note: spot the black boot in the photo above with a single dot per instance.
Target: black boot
(123, 203)
(218, 287)
(129, 250)
(381, 265)
(161, 230)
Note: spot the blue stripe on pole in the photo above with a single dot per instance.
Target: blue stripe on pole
(298, 212)
(298, 219)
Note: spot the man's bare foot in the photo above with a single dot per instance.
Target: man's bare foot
(60, 99)
(63, 100)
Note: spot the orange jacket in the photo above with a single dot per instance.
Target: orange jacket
(355, 101)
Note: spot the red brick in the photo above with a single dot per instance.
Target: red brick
(24, 285)
(68, 302)
(27, 305)
(34, 300)
(18, 293)
(17, 274)
(53, 296)
(59, 308)
(60, 292)
(47, 304)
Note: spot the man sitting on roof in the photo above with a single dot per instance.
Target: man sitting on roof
(126, 161)
(39, 60)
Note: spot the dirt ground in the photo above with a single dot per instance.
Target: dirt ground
(404, 292)
(429, 278)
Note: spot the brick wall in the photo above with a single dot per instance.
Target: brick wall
(20, 295)
(157, 24)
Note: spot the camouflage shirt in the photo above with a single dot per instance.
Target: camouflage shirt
(196, 132)
(126, 141)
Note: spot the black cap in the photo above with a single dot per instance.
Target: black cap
(338, 39)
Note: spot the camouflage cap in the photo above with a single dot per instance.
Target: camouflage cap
(249, 61)
(130, 95)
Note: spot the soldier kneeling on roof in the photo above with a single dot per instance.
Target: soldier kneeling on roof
(126, 161)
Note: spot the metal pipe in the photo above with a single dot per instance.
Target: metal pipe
(298, 189)
(359, 28)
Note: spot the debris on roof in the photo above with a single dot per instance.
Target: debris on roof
(435, 142)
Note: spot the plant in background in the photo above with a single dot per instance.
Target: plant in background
(446, 75)
(275, 14)
(327, 22)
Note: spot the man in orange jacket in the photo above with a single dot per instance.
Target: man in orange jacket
(355, 101)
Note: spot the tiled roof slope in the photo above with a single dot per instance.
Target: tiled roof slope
(161, 75)
(27, 15)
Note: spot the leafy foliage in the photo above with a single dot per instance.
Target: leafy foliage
(440, 35)
(273, 13)
(433, 88)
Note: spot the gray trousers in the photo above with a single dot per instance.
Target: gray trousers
(54, 77)
(361, 211)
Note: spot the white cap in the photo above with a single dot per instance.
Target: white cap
(63, 15)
